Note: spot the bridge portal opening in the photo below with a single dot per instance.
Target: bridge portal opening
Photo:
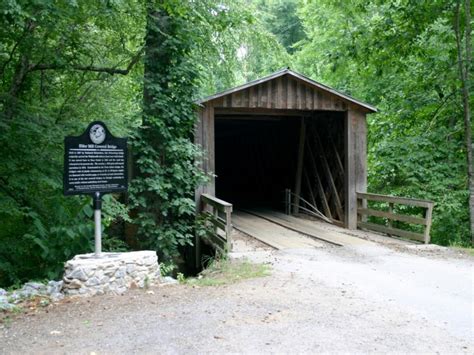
(257, 157)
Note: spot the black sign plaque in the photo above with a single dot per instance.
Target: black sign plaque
(95, 162)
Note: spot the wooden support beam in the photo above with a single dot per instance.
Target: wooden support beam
(299, 168)
(330, 179)
(310, 188)
(319, 186)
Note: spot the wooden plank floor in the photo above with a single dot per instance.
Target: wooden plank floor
(331, 234)
(271, 233)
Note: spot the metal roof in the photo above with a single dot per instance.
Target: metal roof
(294, 74)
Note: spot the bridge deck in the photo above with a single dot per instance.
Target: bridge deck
(282, 231)
(271, 233)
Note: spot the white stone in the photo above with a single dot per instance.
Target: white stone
(93, 281)
(54, 287)
(110, 273)
(169, 280)
(78, 274)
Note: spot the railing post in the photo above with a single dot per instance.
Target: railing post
(228, 228)
(288, 201)
(389, 221)
(428, 217)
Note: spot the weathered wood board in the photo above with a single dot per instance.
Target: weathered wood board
(310, 228)
(270, 233)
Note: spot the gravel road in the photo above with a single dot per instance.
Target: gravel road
(372, 299)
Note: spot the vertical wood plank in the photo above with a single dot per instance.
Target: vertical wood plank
(246, 98)
(228, 228)
(238, 98)
(309, 98)
(211, 151)
(298, 95)
(259, 95)
(291, 93)
(360, 151)
(299, 167)
(279, 103)
(350, 183)
(269, 93)
(315, 99)
(320, 99)
(275, 96)
(327, 101)
(251, 96)
(199, 140)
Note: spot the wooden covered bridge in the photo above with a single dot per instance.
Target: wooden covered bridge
(285, 142)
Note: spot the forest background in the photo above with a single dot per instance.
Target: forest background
(138, 65)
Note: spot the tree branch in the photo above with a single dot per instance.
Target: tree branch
(90, 68)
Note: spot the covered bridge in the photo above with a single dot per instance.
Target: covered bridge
(285, 131)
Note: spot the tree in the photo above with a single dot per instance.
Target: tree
(464, 64)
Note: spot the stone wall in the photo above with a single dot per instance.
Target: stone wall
(114, 273)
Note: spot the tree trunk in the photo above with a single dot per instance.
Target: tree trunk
(464, 63)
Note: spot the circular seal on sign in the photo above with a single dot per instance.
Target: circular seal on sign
(97, 134)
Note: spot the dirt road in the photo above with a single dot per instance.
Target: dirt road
(331, 299)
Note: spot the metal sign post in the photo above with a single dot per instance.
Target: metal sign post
(95, 163)
(98, 224)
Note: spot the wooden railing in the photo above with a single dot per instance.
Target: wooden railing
(363, 212)
(219, 214)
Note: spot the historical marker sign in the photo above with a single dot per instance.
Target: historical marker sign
(95, 162)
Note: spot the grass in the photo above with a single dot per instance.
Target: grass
(224, 272)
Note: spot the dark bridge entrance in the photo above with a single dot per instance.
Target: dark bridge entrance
(256, 158)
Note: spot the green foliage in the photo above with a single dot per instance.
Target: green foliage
(167, 268)
(48, 90)
(162, 191)
(280, 17)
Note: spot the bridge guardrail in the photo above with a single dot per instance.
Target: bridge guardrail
(363, 212)
(219, 213)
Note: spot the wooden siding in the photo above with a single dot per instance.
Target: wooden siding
(290, 96)
(284, 92)
(355, 162)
